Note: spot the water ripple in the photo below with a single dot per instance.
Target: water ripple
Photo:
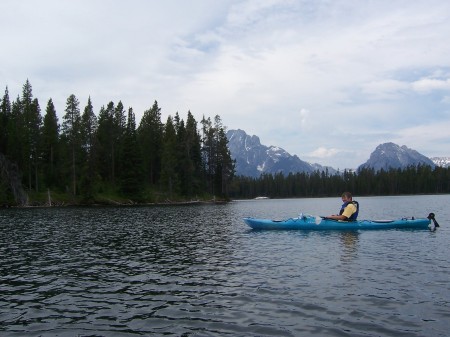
(197, 271)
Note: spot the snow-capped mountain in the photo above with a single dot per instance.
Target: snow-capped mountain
(390, 155)
(253, 158)
(441, 161)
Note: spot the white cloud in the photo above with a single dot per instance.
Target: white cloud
(427, 85)
(385, 89)
(323, 152)
(432, 140)
(364, 70)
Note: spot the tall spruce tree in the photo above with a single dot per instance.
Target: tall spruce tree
(106, 141)
(71, 134)
(31, 120)
(15, 131)
(50, 145)
(89, 145)
(208, 153)
(169, 160)
(118, 132)
(131, 164)
(219, 167)
(193, 149)
(225, 166)
(25, 141)
(88, 132)
(150, 134)
(182, 162)
(25, 123)
(35, 141)
(5, 115)
(189, 157)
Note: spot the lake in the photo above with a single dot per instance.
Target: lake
(198, 270)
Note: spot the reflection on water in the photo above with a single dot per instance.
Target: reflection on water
(199, 271)
(349, 240)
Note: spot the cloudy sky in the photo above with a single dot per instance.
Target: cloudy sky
(325, 80)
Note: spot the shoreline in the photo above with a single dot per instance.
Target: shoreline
(114, 203)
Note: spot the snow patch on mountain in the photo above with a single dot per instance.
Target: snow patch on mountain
(253, 158)
(441, 161)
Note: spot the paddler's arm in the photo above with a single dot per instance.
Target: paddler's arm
(337, 217)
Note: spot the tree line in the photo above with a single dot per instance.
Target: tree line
(109, 154)
(420, 179)
(89, 154)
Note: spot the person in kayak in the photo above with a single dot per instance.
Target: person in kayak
(349, 209)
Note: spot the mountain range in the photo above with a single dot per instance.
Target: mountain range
(253, 159)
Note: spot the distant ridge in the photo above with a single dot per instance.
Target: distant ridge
(441, 161)
(253, 158)
(390, 155)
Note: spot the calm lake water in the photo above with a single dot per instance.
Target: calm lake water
(199, 271)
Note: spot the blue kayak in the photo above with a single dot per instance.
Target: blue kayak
(309, 222)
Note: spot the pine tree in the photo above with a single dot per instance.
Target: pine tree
(71, 134)
(25, 121)
(89, 145)
(118, 132)
(5, 115)
(225, 164)
(208, 153)
(192, 152)
(15, 131)
(105, 138)
(219, 166)
(183, 163)
(36, 134)
(150, 134)
(31, 120)
(50, 145)
(169, 162)
(189, 157)
(88, 131)
(131, 165)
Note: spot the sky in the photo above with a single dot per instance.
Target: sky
(326, 80)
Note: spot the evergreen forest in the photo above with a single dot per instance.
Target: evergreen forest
(108, 158)
(366, 182)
